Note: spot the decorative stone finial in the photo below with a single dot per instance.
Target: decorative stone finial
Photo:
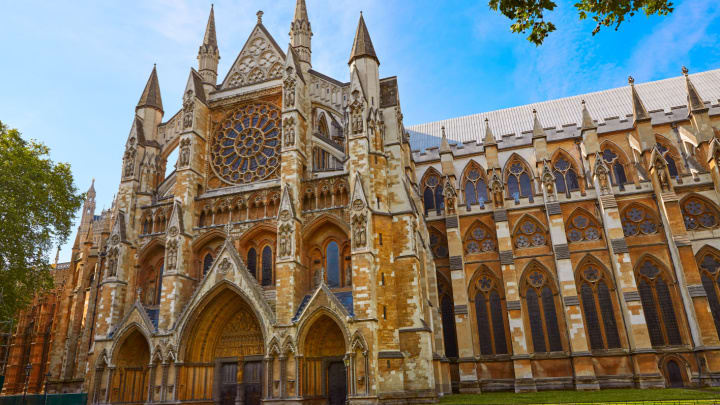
(685, 71)
(259, 15)
(631, 80)
(443, 130)
(582, 102)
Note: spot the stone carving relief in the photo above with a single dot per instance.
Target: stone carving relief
(359, 224)
(259, 61)
(224, 266)
(285, 240)
(172, 252)
(602, 173)
(356, 108)
(129, 158)
(188, 108)
(112, 262)
(450, 196)
(289, 131)
(184, 155)
(289, 88)
(548, 181)
(663, 177)
(497, 191)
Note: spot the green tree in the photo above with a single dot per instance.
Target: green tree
(529, 15)
(37, 205)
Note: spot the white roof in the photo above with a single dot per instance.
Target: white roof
(658, 95)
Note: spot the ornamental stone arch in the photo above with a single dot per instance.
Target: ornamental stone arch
(306, 322)
(699, 212)
(514, 170)
(676, 370)
(131, 359)
(582, 225)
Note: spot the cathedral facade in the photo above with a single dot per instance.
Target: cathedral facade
(301, 250)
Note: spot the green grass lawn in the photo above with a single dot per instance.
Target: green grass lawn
(553, 397)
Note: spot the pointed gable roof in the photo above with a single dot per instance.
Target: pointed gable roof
(260, 59)
(151, 94)
(292, 60)
(362, 45)
(194, 83)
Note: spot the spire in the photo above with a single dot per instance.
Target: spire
(695, 102)
(91, 190)
(538, 130)
(151, 94)
(210, 39)
(362, 45)
(639, 111)
(208, 54)
(301, 32)
(444, 145)
(489, 137)
(587, 121)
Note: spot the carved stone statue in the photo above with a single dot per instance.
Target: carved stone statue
(662, 175)
(184, 158)
(172, 251)
(188, 107)
(359, 230)
(356, 108)
(549, 182)
(289, 131)
(289, 89)
(129, 161)
(284, 243)
(112, 262)
(498, 192)
(450, 196)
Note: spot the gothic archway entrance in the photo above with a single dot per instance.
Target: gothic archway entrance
(674, 375)
(223, 353)
(129, 384)
(324, 367)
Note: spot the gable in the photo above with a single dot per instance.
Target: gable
(261, 59)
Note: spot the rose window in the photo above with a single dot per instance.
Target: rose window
(529, 234)
(582, 227)
(637, 221)
(246, 147)
(697, 214)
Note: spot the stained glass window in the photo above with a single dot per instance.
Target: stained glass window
(529, 234)
(583, 227)
(709, 264)
(566, 179)
(333, 264)
(475, 187)
(448, 321)
(542, 312)
(252, 262)
(657, 304)
(518, 180)
(489, 316)
(614, 163)
(480, 239)
(267, 266)
(246, 146)
(637, 220)
(699, 215)
(672, 167)
(598, 308)
(207, 263)
(433, 193)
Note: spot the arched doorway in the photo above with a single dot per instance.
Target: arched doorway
(129, 383)
(324, 367)
(674, 375)
(223, 353)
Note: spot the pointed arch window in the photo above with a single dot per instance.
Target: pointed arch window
(613, 161)
(252, 262)
(323, 127)
(658, 304)
(480, 239)
(267, 266)
(541, 304)
(332, 264)
(438, 244)
(433, 193)
(637, 220)
(669, 158)
(489, 315)
(529, 233)
(582, 227)
(709, 264)
(566, 179)
(519, 181)
(474, 186)
(597, 305)
(207, 263)
(448, 321)
(698, 214)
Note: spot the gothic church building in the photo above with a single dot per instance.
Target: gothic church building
(307, 247)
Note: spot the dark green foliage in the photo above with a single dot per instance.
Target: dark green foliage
(529, 15)
(37, 205)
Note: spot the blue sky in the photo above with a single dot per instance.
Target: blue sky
(72, 73)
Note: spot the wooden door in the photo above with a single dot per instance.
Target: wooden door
(337, 383)
(674, 375)
(252, 382)
(228, 383)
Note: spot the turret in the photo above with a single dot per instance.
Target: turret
(209, 54)
(149, 107)
(301, 34)
(366, 62)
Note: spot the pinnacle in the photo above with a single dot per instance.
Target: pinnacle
(210, 39)
(640, 113)
(151, 94)
(537, 128)
(301, 11)
(362, 45)
(587, 121)
(695, 102)
(489, 137)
